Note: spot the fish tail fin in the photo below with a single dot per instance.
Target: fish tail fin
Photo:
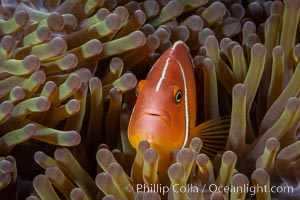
(214, 134)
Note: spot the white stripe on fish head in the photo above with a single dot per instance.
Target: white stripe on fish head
(164, 71)
(163, 75)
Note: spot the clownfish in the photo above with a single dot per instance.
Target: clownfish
(165, 110)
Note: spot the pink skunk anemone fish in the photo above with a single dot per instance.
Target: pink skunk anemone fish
(165, 111)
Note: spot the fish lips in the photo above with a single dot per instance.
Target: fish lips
(154, 114)
(150, 124)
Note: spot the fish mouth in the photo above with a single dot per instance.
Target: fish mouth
(153, 114)
(156, 113)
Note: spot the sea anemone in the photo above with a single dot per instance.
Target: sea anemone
(68, 70)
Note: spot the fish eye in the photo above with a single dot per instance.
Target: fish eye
(178, 96)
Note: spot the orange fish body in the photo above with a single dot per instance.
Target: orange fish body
(165, 110)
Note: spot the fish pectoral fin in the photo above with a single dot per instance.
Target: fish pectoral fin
(213, 134)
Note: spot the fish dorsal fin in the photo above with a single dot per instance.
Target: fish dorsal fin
(213, 134)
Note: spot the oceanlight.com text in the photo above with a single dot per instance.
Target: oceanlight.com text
(189, 188)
